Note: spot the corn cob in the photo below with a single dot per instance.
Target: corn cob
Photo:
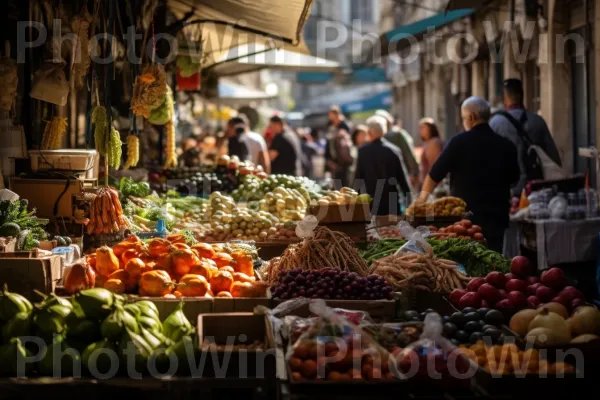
(171, 155)
(53, 133)
(133, 151)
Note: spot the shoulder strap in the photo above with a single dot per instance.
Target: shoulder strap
(518, 125)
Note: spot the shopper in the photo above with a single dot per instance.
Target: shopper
(482, 167)
(532, 124)
(432, 146)
(337, 153)
(237, 142)
(309, 151)
(259, 154)
(380, 171)
(284, 150)
(402, 139)
(360, 136)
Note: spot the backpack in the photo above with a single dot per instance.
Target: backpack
(538, 165)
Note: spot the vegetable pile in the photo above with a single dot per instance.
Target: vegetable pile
(444, 207)
(477, 259)
(93, 321)
(462, 230)
(325, 249)
(16, 221)
(422, 272)
(256, 187)
(170, 268)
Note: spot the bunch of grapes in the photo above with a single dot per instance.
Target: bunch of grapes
(331, 283)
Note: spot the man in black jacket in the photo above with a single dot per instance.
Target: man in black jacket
(482, 166)
(380, 171)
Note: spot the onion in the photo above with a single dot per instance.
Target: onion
(585, 338)
(554, 323)
(557, 308)
(519, 323)
(544, 337)
(586, 320)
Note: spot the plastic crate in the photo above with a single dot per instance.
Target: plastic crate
(82, 162)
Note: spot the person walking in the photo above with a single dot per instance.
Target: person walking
(380, 170)
(257, 146)
(514, 118)
(237, 142)
(360, 136)
(432, 146)
(402, 139)
(337, 153)
(482, 167)
(284, 151)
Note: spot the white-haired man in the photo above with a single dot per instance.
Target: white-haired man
(482, 167)
(380, 170)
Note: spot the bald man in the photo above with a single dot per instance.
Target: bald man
(483, 167)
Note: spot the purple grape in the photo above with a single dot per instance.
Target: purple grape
(284, 296)
(339, 297)
(354, 285)
(373, 296)
(348, 289)
(345, 281)
(288, 279)
(354, 275)
(321, 292)
(315, 296)
(372, 278)
(326, 296)
(301, 293)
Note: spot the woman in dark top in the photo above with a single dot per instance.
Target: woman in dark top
(284, 150)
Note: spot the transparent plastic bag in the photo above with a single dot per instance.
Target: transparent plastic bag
(416, 239)
(306, 227)
(434, 359)
(335, 349)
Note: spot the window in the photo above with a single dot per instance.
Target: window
(362, 10)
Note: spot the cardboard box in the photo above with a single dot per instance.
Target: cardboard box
(245, 305)
(24, 274)
(192, 306)
(52, 190)
(234, 329)
(341, 213)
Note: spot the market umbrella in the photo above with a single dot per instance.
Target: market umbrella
(248, 58)
(226, 24)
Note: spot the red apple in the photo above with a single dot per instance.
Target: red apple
(506, 306)
(485, 304)
(503, 293)
(521, 266)
(516, 285)
(532, 280)
(496, 279)
(456, 295)
(533, 302)
(518, 299)
(545, 293)
(510, 276)
(554, 278)
(569, 294)
(489, 293)
(471, 299)
(576, 303)
(532, 288)
(558, 300)
(474, 284)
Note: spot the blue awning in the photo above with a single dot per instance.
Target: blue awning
(234, 92)
(381, 100)
(398, 38)
(358, 75)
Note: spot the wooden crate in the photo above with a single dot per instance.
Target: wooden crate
(343, 213)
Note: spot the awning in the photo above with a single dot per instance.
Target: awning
(383, 100)
(255, 57)
(462, 4)
(353, 76)
(225, 24)
(404, 36)
(234, 93)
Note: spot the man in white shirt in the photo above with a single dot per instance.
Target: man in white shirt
(257, 147)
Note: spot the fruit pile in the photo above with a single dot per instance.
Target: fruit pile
(285, 204)
(444, 207)
(343, 196)
(508, 292)
(256, 188)
(394, 337)
(330, 283)
(463, 229)
(507, 359)
(550, 325)
(169, 268)
(93, 320)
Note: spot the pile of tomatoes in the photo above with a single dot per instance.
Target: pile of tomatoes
(463, 230)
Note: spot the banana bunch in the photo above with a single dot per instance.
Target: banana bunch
(106, 214)
(53, 133)
(133, 151)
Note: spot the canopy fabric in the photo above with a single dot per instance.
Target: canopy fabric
(233, 92)
(226, 24)
(382, 100)
(462, 4)
(246, 58)
(355, 76)
(399, 38)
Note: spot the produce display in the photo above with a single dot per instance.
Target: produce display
(325, 249)
(18, 222)
(550, 325)
(330, 283)
(256, 187)
(170, 268)
(343, 196)
(518, 289)
(106, 214)
(477, 259)
(223, 178)
(463, 230)
(394, 337)
(285, 204)
(93, 319)
(420, 271)
(508, 359)
(444, 207)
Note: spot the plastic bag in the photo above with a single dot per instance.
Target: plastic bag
(416, 239)
(50, 84)
(335, 349)
(434, 359)
(306, 227)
